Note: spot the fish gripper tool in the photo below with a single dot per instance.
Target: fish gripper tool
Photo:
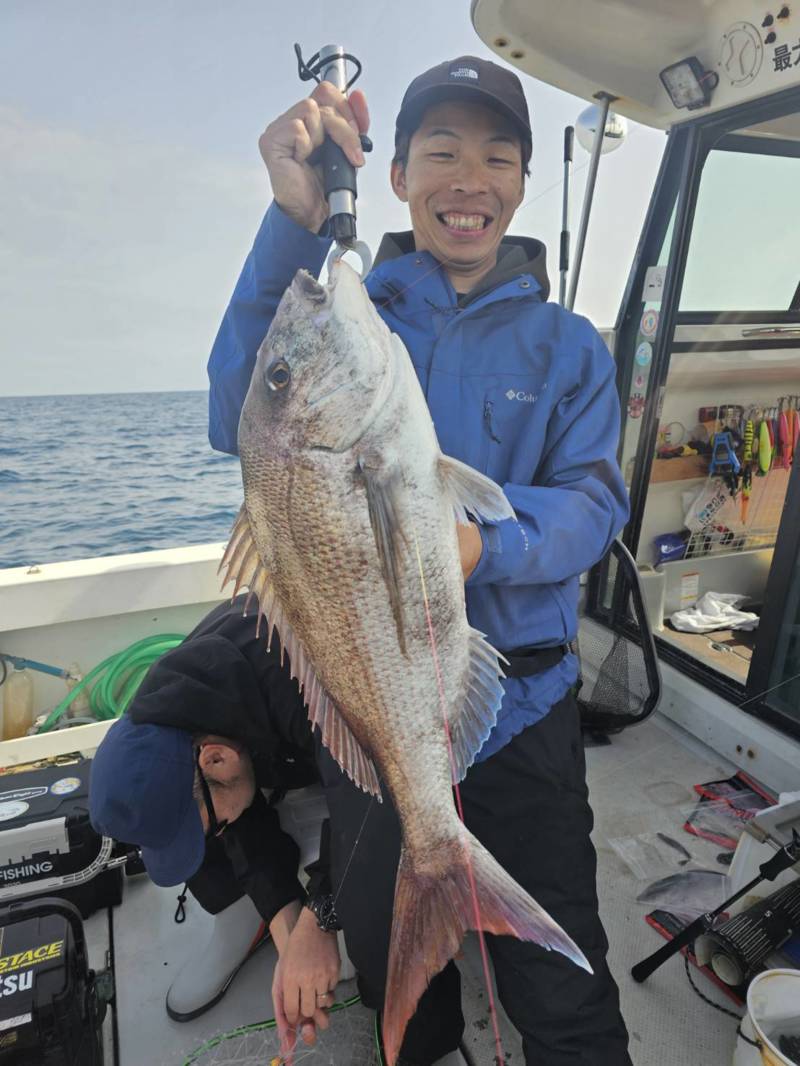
(339, 174)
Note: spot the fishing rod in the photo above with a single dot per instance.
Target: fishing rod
(339, 174)
(563, 263)
(783, 859)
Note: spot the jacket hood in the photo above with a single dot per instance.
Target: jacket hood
(515, 256)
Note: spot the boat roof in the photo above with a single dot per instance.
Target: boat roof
(619, 47)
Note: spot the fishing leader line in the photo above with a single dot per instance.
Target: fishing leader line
(500, 1058)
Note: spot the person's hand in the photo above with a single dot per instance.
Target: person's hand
(287, 143)
(305, 977)
(470, 547)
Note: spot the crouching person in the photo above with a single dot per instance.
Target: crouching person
(181, 774)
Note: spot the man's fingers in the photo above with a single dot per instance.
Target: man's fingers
(352, 108)
(341, 120)
(309, 1026)
(296, 134)
(358, 105)
(339, 130)
(287, 1035)
(308, 1001)
(290, 997)
(308, 1032)
(303, 144)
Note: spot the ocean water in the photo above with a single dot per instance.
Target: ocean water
(82, 476)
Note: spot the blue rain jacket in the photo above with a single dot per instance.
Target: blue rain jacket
(517, 387)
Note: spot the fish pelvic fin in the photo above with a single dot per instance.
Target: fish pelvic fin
(472, 493)
(383, 489)
(243, 565)
(434, 909)
(470, 728)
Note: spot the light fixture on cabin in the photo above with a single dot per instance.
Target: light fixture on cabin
(688, 84)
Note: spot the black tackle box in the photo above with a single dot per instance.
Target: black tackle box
(47, 843)
(50, 1014)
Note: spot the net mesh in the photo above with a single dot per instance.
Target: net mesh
(615, 685)
(350, 1041)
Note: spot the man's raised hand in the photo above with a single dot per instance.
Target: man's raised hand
(287, 143)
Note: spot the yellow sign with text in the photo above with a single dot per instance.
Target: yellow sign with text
(23, 959)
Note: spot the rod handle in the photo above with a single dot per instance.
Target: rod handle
(642, 970)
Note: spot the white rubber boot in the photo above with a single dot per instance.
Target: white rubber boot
(207, 974)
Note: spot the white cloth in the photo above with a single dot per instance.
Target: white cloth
(715, 610)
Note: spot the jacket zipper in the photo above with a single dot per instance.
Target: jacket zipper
(488, 406)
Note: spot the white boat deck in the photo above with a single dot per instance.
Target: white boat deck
(643, 779)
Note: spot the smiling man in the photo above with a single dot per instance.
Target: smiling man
(524, 392)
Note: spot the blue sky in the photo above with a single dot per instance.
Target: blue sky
(131, 184)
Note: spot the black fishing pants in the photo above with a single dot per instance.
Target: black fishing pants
(528, 804)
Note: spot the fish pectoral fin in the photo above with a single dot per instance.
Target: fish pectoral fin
(471, 727)
(338, 738)
(473, 493)
(383, 501)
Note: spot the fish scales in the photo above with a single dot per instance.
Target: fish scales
(348, 629)
(348, 523)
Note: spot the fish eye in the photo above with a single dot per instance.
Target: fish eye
(278, 375)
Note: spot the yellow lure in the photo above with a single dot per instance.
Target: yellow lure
(764, 448)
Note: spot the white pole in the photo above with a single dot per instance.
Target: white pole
(591, 180)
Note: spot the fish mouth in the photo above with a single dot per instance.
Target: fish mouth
(309, 289)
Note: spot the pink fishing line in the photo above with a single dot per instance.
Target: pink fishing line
(499, 1057)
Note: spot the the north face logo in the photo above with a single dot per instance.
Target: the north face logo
(464, 72)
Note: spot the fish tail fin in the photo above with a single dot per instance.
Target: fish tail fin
(434, 908)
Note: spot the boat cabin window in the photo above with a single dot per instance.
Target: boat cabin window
(728, 413)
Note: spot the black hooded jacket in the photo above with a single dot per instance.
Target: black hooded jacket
(223, 680)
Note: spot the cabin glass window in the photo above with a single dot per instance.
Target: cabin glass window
(745, 252)
(728, 416)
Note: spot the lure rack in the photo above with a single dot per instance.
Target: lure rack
(747, 452)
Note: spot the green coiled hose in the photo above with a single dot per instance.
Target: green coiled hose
(115, 680)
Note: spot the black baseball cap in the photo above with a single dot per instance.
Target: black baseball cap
(466, 78)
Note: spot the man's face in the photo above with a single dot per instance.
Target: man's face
(463, 182)
(228, 771)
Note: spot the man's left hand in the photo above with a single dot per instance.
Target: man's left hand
(470, 546)
(307, 972)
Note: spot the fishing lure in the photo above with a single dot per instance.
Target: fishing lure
(764, 448)
(784, 439)
(678, 847)
(747, 482)
(748, 436)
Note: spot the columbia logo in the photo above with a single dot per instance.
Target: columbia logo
(464, 72)
(523, 397)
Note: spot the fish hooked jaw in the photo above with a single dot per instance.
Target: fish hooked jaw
(309, 289)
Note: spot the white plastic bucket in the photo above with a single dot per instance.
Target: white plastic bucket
(773, 1007)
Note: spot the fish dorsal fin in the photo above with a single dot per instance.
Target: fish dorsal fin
(473, 493)
(243, 566)
(383, 491)
(471, 728)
